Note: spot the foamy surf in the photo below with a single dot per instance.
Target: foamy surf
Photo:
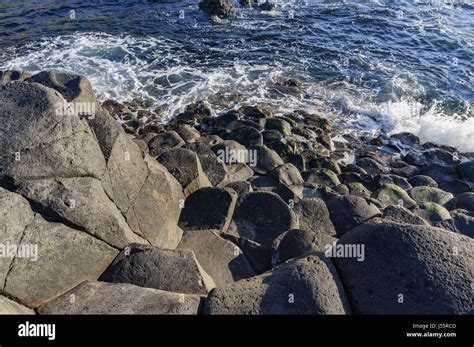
(160, 70)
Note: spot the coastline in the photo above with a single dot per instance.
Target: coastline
(232, 207)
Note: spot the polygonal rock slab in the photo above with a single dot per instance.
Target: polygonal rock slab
(121, 298)
(152, 267)
(261, 217)
(208, 208)
(220, 258)
(308, 285)
(407, 269)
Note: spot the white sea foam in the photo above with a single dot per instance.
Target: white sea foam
(124, 67)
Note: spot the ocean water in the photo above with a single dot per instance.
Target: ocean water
(369, 65)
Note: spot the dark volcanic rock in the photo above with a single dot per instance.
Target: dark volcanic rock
(121, 298)
(314, 216)
(321, 176)
(221, 8)
(220, 258)
(13, 75)
(422, 180)
(164, 141)
(423, 194)
(456, 187)
(308, 285)
(214, 168)
(245, 135)
(463, 201)
(408, 269)
(152, 267)
(402, 215)
(185, 166)
(208, 208)
(258, 256)
(432, 212)
(349, 211)
(296, 243)
(261, 217)
(267, 159)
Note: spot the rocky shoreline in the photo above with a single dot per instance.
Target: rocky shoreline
(105, 210)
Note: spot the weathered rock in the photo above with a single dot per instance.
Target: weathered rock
(185, 166)
(314, 216)
(304, 286)
(240, 187)
(82, 202)
(214, 168)
(432, 212)
(439, 172)
(321, 176)
(287, 174)
(208, 208)
(164, 141)
(324, 163)
(422, 180)
(278, 124)
(188, 133)
(57, 245)
(121, 298)
(10, 307)
(267, 159)
(74, 88)
(230, 152)
(456, 187)
(66, 147)
(220, 258)
(352, 177)
(271, 136)
(296, 243)
(258, 256)
(372, 166)
(466, 170)
(221, 8)
(358, 189)
(402, 182)
(408, 269)
(261, 217)
(401, 214)
(349, 211)
(155, 210)
(463, 201)
(391, 194)
(423, 194)
(237, 172)
(152, 267)
(404, 170)
(13, 75)
(246, 135)
(461, 221)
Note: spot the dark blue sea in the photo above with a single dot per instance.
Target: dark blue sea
(370, 65)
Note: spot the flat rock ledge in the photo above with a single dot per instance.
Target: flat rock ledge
(106, 210)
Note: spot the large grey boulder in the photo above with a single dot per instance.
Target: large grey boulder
(308, 285)
(82, 202)
(220, 258)
(214, 169)
(221, 8)
(35, 281)
(152, 267)
(74, 88)
(8, 306)
(296, 243)
(349, 211)
(13, 75)
(314, 216)
(185, 166)
(37, 141)
(261, 217)
(422, 194)
(401, 214)
(121, 298)
(407, 269)
(208, 208)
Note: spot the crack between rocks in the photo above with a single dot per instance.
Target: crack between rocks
(10, 267)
